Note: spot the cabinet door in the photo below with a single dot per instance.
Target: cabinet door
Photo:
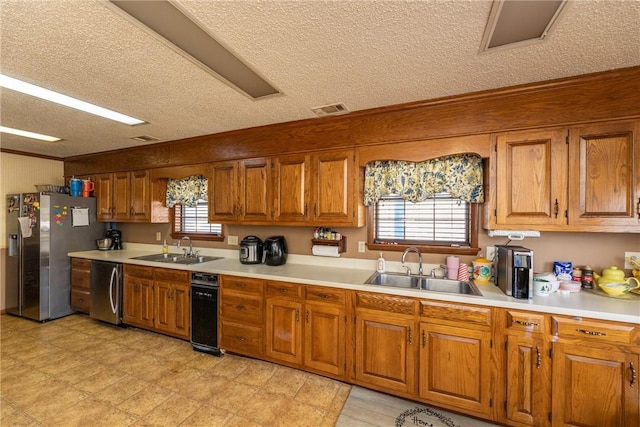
(531, 184)
(223, 190)
(334, 187)
(324, 338)
(594, 387)
(137, 301)
(284, 330)
(181, 301)
(455, 368)
(255, 190)
(528, 380)
(385, 351)
(604, 175)
(140, 196)
(121, 196)
(103, 191)
(291, 187)
(164, 310)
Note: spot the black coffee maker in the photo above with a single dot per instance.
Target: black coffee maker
(116, 238)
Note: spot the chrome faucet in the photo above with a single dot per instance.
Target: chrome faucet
(416, 250)
(187, 252)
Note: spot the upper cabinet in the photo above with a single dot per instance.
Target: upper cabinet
(299, 189)
(567, 179)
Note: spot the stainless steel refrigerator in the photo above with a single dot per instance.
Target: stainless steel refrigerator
(41, 229)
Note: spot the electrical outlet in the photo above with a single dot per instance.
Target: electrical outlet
(491, 253)
(634, 256)
(232, 240)
(362, 246)
(158, 236)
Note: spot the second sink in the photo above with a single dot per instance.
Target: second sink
(398, 280)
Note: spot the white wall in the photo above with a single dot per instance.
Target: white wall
(19, 174)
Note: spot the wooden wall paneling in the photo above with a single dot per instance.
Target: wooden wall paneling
(145, 157)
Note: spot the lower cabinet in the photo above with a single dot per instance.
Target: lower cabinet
(80, 283)
(157, 299)
(283, 329)
(242, 315)
(385, 342)
(455, 357)
(595, 374)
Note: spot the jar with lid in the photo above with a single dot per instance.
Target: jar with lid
(587, 277)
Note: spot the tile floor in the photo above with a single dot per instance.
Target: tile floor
(76, 371)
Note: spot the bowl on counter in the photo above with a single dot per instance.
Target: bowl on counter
(617, 289)
(570, 285)
(104, 244)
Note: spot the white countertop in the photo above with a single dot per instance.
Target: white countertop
(352, 273)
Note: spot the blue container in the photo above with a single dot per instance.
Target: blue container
(75, 187)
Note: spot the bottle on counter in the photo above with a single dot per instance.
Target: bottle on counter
(165, 247)
(587, 277)
(382, 265)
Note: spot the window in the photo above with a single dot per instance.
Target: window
(439, 223)
(193, 222)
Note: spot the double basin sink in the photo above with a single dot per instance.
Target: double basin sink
(177, 259)
(398, 280)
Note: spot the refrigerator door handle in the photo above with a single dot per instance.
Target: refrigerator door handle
(114, 272)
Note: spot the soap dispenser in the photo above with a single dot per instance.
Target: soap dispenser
(165, 248)
(381, 268)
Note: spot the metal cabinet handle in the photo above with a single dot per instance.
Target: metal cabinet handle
(525, 323)
(596, 333)
(306, 208)
(638, 208)
(239, 338)
(297, 314)
(307, 317)
(424, 339)
(324, 296)
(410, 335)
(240, 307)
(633, 374)
(283, 290)
(538, 358)
(556, 208)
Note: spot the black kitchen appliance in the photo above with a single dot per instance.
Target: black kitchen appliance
(204, 313)
(275, 250)
(116, 236)
(514, 271)
(251, 250)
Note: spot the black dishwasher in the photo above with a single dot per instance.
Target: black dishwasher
(204, 313)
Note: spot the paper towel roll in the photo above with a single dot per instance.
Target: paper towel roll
(325, 250)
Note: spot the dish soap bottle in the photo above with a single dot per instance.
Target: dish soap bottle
(381, 268)
(165, 248)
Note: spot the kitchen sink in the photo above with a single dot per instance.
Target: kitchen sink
(398, 280)
(176, 259)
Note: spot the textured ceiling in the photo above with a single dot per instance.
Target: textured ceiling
(363, 53)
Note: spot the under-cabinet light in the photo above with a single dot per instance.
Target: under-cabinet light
(67, 101)
(27, 134)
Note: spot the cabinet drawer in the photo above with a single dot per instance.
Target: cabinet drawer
(242, 284)
(241, 338)
(138, 271)
(325, 294)
(81, 264)
(526, 322)
(174, 276)
(80, 300)
(382, 302)
(597, 330)
(80, 279)
(284, 289)
(456, 312)
(241, 308)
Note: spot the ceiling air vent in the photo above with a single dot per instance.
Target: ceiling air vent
(145, 138)
(330, 110)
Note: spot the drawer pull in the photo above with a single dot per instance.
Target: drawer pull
(240, 307)
(241, 338)
(538, 358)
(283, 290)
(324, 296)
(633, 374)
(525, 323)
(595, 333)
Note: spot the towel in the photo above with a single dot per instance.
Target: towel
(25, 226)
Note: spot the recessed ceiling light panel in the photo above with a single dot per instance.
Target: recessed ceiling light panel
(516, 23)
(27, 134)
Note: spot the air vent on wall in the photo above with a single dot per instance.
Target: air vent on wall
(145, 138)
(330, 110)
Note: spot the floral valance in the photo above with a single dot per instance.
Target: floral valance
(186, 191)
(459, 175)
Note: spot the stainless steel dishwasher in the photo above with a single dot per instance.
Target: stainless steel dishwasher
(204, 313)
(105, 297)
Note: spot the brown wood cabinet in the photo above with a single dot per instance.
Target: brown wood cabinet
(123, 196)
(283, 328)
(386, 343)
(292, 193)
(595, 373)
(528, 369)
(80, 283)
(455, 357)
(568, 179)
(242, 315)
(172, 304)
(137, 296)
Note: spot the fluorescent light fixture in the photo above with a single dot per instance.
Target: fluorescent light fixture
(516, 23)
(58, 98)
(26, 134)
(172, 25)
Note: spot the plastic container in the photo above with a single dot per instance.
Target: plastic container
(382, 265)
(165, 247)
(570, 285)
